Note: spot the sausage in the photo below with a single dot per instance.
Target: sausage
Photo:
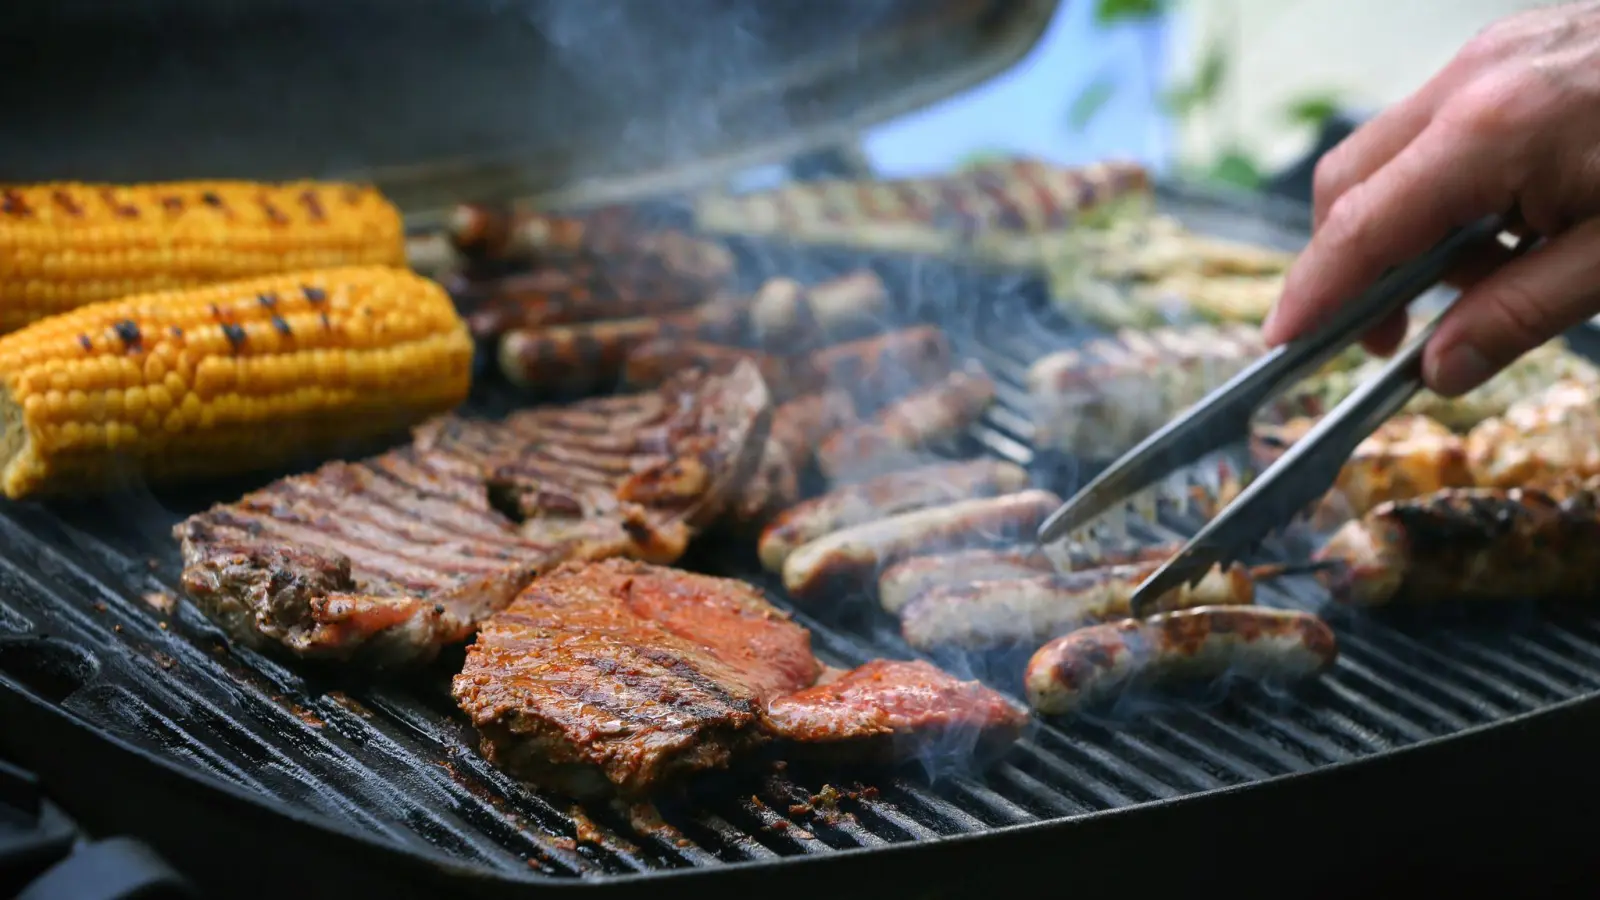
(486, 233)
(576, 294)
(657, 359)
(983, 615)
(800, 424)
(783, 312)
(1473, 545)
(854, 556)
(582, 355)
(878, 369)
(905, 580)
(1094, 664)
(898, 433)
(884, 496)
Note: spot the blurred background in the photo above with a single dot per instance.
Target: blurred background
(1223, 90)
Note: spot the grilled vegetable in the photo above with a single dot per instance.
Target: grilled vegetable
(1551, 435)
(1093, 665)
(226, 378)
(64, 244)
(1469, 544)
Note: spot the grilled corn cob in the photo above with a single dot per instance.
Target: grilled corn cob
(225, 378)
(63, 245)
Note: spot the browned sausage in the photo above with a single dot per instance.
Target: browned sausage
(1027, 611)
(887, 495)
(566, 357)
(878, 369)
(658, 359)
(800, 424)
(1092, 665)
(783, 312)
(904, 430)
(905, 580)
(854, 556)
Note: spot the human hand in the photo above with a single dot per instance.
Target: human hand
(1512, 123)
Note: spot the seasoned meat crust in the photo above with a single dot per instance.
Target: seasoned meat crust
(386, 559)
(626, 675)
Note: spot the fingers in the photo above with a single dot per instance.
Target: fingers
(1443, 179)
(1523, 305)
(1385, 338)
(1366, 150)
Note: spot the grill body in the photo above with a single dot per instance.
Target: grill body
(1435, 742)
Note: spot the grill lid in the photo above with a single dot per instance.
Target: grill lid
(443, 100)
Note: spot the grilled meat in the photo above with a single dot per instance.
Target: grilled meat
(774, 488)
(586, 355)
(387, 559)
(625, 676)
(904, 430)
(1099, 400)
(654, 361)
(981, 615)
(905, 580)
(1474, 545)
(884, 496)
(799, 425)
(1407, 456)
(878, 369)
(525, 236)
(1551, 435)
(1093, 665)
(854, 556)
(784, 313)
(889, 710)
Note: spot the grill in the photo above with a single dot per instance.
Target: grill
(237, 766)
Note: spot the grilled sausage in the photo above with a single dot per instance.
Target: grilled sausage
(800, 424)
(1092, 665)
(983, 615)
(878, 369)
(1470, 544)
(783, 312)
(905, 580)
(658, 359)
(573, 294)
(855, 555)
(897, 434)
(884, 496)
(586, 354)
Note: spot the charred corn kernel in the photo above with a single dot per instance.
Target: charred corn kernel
(65, 244)
(225, 378)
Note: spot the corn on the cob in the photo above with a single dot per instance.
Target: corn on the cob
(225, 378)
(63, 245)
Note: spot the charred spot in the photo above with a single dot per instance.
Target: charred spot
(313, 295)
(118, 208)
(313, 205)
(127, 331)
(234, 333)
(438, 609)
(273, 213)
(12, 204)
(282, 326)
(352, 195)
(177, 332)
(172, 204)
(216, 311)
(267, 301)
(85, 342)
(210, 199)
(66, 202)
(327, 325)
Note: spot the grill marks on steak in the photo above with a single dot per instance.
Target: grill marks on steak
(628, 675)
(388, 558)
(620, 676)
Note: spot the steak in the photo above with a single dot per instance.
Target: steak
(888, 710)
(385, 560)
(620, 676)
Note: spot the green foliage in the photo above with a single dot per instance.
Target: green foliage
(1090, 101)
(1109, 12)
(1186, 99)
(1235, 168)
(1313, 109)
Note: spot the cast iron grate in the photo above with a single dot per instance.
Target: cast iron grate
(396, 760)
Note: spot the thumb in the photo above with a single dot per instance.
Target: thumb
(1524, 304)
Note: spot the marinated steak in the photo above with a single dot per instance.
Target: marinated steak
(624, 675)
(620, 676)
(386, 559)
(887, 710)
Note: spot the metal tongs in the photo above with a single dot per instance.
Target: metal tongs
(1310, 468)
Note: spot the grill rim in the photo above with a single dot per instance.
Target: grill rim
(1286, 789)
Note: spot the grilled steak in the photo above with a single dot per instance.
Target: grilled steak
(388, 558)
(889, 709)
(622, 675)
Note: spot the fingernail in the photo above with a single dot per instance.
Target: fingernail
(1459, 369)
(1266, 324)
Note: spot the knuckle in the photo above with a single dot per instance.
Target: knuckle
(1519, 320)
(1328, 178)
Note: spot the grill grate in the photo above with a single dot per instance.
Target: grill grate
(396, 760)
